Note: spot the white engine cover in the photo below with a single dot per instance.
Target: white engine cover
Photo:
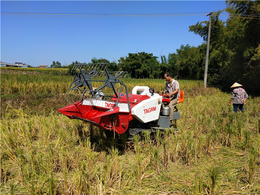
(143, 90)
(148, 110)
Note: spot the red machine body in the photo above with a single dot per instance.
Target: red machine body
(138, 111)
(103, 113)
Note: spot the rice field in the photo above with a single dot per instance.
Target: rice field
(214, 150)
(24, 84)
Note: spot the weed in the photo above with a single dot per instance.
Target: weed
(252, 165)
(258, 126)
(247, 139)
(214, 175)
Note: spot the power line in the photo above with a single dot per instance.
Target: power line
(245, 16)
(104, 15)
(125, 15)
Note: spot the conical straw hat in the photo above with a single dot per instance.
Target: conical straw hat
(236, 85)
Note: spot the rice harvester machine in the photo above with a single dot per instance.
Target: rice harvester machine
(106, 103)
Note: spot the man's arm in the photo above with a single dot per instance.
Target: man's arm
(173, 93)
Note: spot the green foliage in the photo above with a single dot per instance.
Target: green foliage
(219, 53)
(99, 61)
(56, 64)
(140, 65)
(168, 65)
(71, 71)
(190, 62)
(111, 66)
(245, 62)
(234, 45)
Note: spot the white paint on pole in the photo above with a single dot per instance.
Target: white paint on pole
(207, 54)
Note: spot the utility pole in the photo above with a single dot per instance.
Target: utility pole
(207, 54)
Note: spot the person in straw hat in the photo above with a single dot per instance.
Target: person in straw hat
(238, 97)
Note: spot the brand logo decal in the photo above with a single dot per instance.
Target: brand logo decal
(148, 110)
(109, 105)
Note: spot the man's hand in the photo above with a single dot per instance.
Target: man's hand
(167, 94)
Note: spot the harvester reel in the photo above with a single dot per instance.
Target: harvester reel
(80, 80)
(83, 78)
(110, 82)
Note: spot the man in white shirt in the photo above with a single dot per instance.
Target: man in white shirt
(172, 90)
(99, 95)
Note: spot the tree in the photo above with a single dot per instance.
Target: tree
(111, 66)
(219, 53)
(140, 65)
(172, 61)
(234, 45)
(190, 62)
(168, 65)
(99, 61)
(243, 29)
(72, 70)
(56, 64)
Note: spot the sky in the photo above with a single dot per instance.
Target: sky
(40, 32)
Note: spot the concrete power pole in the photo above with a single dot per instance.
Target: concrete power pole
(207, 54)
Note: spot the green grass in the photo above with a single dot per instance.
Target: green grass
(214, 152)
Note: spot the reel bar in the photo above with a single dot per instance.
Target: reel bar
(86, 74)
